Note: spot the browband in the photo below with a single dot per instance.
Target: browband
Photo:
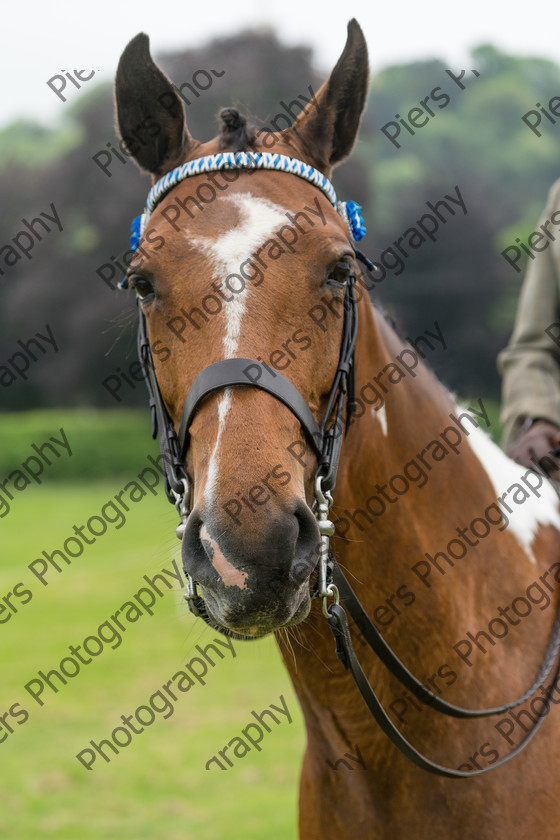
(348, 210)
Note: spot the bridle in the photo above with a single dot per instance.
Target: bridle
(326, 438)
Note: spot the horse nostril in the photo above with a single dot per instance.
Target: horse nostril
(213, 561)
(205, 541)
(308, 543)
(284, 548)
(197, 559)
(300, 570)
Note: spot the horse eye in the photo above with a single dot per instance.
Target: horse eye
(340, 273)
(141, 285)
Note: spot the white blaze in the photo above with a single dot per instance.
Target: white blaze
(259, 219)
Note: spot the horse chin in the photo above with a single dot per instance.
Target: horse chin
(262, 623)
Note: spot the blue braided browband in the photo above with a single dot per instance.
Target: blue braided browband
(348, 210)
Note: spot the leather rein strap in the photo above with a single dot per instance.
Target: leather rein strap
(345, 652)
(391, 661)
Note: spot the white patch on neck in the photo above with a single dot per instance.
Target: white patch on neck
(381, 414)
(526, 518)
(259, 219)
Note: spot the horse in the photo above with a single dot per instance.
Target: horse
(248, 286)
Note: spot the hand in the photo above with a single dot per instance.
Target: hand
(540, 442)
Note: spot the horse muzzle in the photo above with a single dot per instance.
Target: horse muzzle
(254, 575)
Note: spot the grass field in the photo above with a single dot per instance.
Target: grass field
(157, 786)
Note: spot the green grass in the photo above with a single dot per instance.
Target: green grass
(102, 443)
(106, 443)
(158, 786)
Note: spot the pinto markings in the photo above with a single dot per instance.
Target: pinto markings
(503, 473)
(381, 414)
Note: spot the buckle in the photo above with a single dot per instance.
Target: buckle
(323, 500)
(182, 503)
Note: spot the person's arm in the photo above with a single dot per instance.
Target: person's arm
(530, 364)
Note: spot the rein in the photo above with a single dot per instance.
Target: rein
(326, 439)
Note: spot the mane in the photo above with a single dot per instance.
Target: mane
(388, 315)
(235, 131)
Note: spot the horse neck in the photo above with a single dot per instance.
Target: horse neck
(422, 624)
(386, 446)
(379, 549)
(400, 406)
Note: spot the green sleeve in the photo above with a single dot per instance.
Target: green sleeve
(530, 364)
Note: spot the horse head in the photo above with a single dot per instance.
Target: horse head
(245, 264)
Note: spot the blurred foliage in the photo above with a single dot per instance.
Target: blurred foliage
(476, 141)
(29, 144)
(103, 443)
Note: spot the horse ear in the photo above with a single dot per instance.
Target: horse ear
(150, 113)
(328, 127)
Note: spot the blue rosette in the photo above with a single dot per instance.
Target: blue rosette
(136, 232)
(355, 220)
